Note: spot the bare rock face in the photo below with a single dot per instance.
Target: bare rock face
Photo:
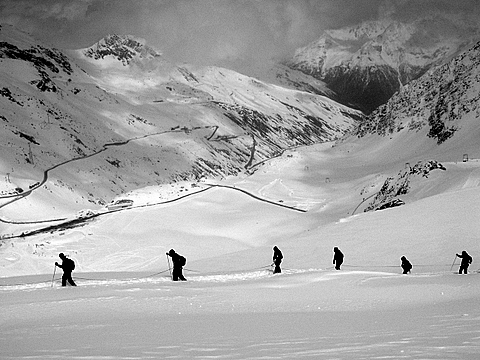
(439, 101)
(124, 48)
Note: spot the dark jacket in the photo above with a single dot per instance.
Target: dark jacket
(68, 265)
(406, 265)
(277, 256)
(466, 259)
(178, 263)
(177, 260)
(337, 256)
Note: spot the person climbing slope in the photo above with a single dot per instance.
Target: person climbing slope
(466, 261)
(179, 262)
(68, 265)
(406, 265)
(277, 260)
(337, 258)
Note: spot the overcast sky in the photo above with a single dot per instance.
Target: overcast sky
(209, 31)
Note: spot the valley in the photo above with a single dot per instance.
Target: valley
(366, 139)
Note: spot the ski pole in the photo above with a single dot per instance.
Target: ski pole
(169, 269)
(54, 270)
(451, 267)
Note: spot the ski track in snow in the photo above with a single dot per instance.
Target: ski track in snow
(361, 312)
(163, 277)
(157, 319)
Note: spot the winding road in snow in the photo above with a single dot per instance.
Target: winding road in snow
(16, 197)
(105, 147)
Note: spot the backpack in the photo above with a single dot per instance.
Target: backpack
(70, 264)
(406, 265)
(182, 260)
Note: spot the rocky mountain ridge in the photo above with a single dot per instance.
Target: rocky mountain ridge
(123, 48)
(439, 102)
(394, 187)
(366, 64)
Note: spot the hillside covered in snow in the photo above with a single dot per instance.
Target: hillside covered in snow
(385, 162)
(82, 127)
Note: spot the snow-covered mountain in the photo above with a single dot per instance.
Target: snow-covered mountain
(99, 125)
(367, 63)
(98, 122)
(122, 48)
(82, 129)
(442, 104)
(433, 117)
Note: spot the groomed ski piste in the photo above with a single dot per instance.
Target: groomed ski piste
(231, 306)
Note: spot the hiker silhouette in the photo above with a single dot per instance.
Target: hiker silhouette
(68, 265)
(406, 265)
(178, 263)
(337, 258)
(277, 260)
(466, 261)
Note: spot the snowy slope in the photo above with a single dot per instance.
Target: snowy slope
(125, 305)
(319, 315)
(317, 188)
(117, 116)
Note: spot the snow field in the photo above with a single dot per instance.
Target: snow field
(232, 307)
(314, 314)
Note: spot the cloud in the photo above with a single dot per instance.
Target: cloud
(465, 12)
(209, 31)
(45, 9)
(68, 11)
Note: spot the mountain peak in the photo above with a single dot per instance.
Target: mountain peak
(125, 48)
(365, 30)
(367, 63)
